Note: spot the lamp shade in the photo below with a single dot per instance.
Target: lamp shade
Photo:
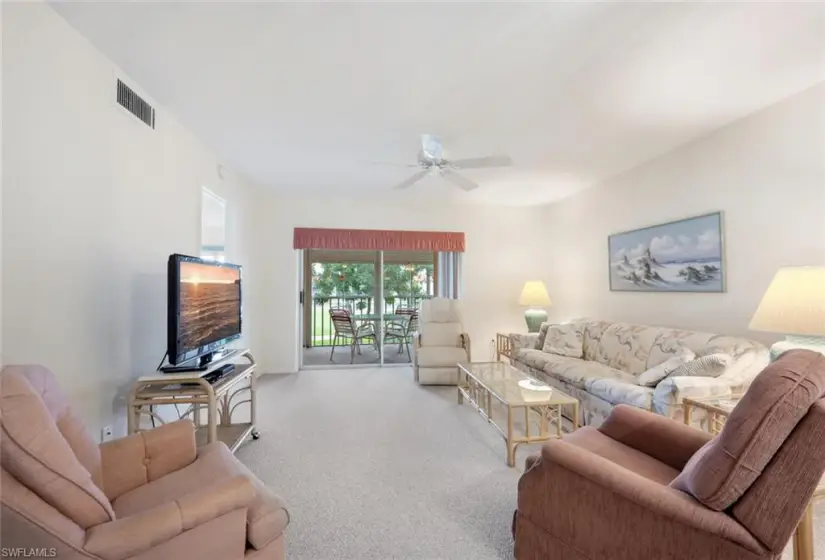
(794, 303)
(534, 294)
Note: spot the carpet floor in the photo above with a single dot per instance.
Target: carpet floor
(319, 356)
(372, 466)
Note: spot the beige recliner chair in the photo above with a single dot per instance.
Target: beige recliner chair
(440, 343)
(148, 496)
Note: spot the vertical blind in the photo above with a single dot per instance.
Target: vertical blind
(448, 272)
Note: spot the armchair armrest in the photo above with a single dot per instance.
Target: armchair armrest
(668, 395)
(464, 342)
(596, 492)
(134, 460)
(667, 440)
(129, 536)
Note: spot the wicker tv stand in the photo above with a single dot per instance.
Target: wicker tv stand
(191, 389)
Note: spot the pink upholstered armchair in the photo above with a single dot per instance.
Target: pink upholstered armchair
(152, 495)
(645, 486)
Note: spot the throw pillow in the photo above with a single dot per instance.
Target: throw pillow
(712, 365)
(564, 340)
(651, 377)
(542, 335)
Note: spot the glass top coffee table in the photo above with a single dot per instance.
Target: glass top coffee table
(482, 383)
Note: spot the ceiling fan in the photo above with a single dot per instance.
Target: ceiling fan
(431, 158)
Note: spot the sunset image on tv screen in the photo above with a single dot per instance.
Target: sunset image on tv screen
(210, 304)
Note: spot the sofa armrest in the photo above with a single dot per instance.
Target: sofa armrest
(521, 340)
(598, 495)
(668, 395)
(134, 460)
(745, 369)
(129, 536)
(667, 440)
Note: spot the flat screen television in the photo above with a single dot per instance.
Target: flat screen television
(205, 311)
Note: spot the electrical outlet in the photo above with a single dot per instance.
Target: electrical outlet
(106, 433)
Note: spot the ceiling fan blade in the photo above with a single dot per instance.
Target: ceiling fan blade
(477, 163)
(391, 164)
(459, 180)
(412, 180)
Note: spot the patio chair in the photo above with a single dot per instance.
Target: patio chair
(402, 331)
(345, 329)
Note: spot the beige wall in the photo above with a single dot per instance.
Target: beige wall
(500, 256)
(766, 173)
(94, 201)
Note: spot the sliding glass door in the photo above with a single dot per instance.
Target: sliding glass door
(408, 279)
(338, 300)
(361, 308)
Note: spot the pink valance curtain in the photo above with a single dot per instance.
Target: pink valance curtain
(378, 240)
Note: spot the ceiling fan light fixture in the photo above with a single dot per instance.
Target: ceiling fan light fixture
(431, 147)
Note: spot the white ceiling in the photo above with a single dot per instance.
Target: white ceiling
(301, 96)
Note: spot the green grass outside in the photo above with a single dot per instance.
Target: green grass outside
(322, 330)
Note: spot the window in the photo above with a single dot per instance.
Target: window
(213, 226)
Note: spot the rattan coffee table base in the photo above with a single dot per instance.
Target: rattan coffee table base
(543, 414)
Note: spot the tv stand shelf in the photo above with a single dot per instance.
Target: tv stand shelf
(190, 388)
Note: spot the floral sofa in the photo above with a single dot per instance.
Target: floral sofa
(615, 354)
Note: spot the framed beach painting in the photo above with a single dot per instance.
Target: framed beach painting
(682, 256)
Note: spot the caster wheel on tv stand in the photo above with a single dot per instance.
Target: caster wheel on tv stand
(256, 434)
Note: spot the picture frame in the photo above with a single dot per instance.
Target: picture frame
(685, 255)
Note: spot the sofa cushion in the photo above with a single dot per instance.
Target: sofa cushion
(592, 338)
(35, 452)
(617, 391)
(536, 359)
(671, 342)
(734, 346)
(564, 340)
(712, 365)
(542, 335)
(779, 397)
(267, 516)
(626, 347)
(654, 375)
(577, 372)
(440, 356)
(440, 334)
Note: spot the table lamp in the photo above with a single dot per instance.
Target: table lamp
(534, 296)
(795, 306)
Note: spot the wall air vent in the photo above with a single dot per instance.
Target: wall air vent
(135, 104)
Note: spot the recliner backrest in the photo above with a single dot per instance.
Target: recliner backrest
(763, 423)
(441, 310)
(45, 448)
(772, 506)
(67, 421)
